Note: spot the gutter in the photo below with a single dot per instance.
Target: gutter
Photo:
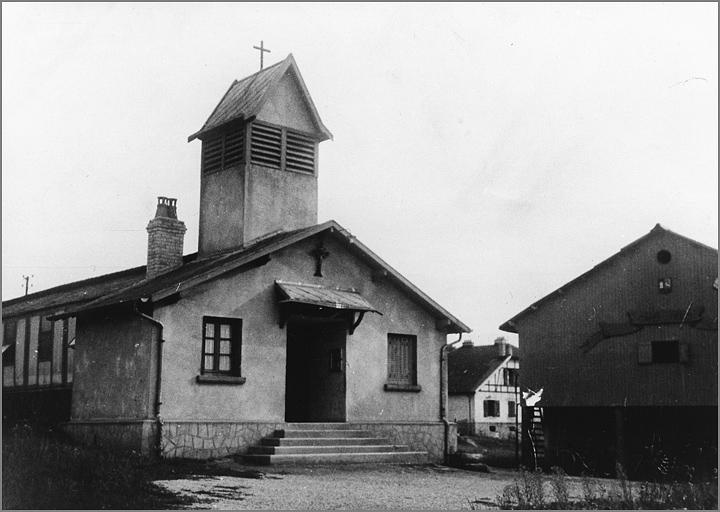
(444, 395)
(158, 381)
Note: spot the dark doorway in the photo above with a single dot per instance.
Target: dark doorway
(315, 377)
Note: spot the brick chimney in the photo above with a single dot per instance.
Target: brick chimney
(165, 238)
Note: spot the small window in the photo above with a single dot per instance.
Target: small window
(510, 377)
(664, 256)
(666, 351)
(221, 345)
(511, 409)
(493, 428)
(491, 408)
(9, 338)
(402, 354)
(665, 285)
(45, 340)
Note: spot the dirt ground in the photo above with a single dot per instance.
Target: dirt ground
(384, 486)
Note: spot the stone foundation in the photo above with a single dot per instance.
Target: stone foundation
(137, 435)
(211, 439)
(497, 430)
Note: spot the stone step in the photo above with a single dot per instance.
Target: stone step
(371, 448)
(331, 458)
(320, 426)
(322, 433)
(320, 441)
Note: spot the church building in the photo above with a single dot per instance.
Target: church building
(280, 338)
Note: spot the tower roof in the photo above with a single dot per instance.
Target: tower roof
(245, 98)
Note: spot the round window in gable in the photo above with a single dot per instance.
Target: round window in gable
(664, 256)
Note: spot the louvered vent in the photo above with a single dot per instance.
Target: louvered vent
(299, 153)
(212, 154)
(266, 145)
(222, 151)
(234, 146)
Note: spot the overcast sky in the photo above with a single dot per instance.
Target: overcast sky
(490, 153)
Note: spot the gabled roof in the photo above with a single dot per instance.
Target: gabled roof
(199, 271)
(78, 292)
(509, 326)
(469, 367)
(245, 98)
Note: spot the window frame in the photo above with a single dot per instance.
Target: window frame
(393, 383)
(487, 413)
(235, 349)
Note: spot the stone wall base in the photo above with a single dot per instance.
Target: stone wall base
(137, 435)
(497, 430)
(206, 439)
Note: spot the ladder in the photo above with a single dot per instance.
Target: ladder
(536, 435)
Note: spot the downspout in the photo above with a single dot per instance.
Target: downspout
(158, 381)
(444, 396)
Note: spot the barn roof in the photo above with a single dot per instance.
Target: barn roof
(245, 98)
(469, 367)
(510, 326)
(198, 271)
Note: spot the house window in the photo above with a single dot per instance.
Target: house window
(510, 377)
(280, 148)
(491, 408)
(665, 351)
(223, 150)
(221, 345)
(665, 285)
(402, 353)
(45, 340)
(664, 256)
(511, 409)
(9, 337)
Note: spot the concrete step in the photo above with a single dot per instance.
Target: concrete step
(321, 441)
(282, 450)
(331, 458)
(322, 433)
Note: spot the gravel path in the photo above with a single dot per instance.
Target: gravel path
(385, 486)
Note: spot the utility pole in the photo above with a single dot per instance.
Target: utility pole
(27, 282)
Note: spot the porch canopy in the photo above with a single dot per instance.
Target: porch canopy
(303, 298)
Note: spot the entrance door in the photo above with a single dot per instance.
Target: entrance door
(315, 377)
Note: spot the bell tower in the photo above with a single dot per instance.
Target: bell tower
(259, 160)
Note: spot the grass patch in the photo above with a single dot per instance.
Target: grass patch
(537, 491)
(44, 470)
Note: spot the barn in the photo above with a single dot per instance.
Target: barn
(626, 358)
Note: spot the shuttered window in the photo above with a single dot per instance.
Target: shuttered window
(223, 150)
(45, 340)
(402, 354)
(280, 148)
(9, 336)
(491, 408)
(266, 145)
(511, 409)
(221, 345)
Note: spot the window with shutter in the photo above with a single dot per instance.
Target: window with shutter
(402, 359)
(511, 409)
(491, 408)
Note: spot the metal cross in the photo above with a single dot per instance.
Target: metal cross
(320, 254)
(262, 51)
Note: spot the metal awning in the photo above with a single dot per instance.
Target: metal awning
(318, 295)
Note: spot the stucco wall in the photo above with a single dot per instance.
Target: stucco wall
(609, 374)
(114, 368)
(286, 107)
(221, 209)
(251, 295)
